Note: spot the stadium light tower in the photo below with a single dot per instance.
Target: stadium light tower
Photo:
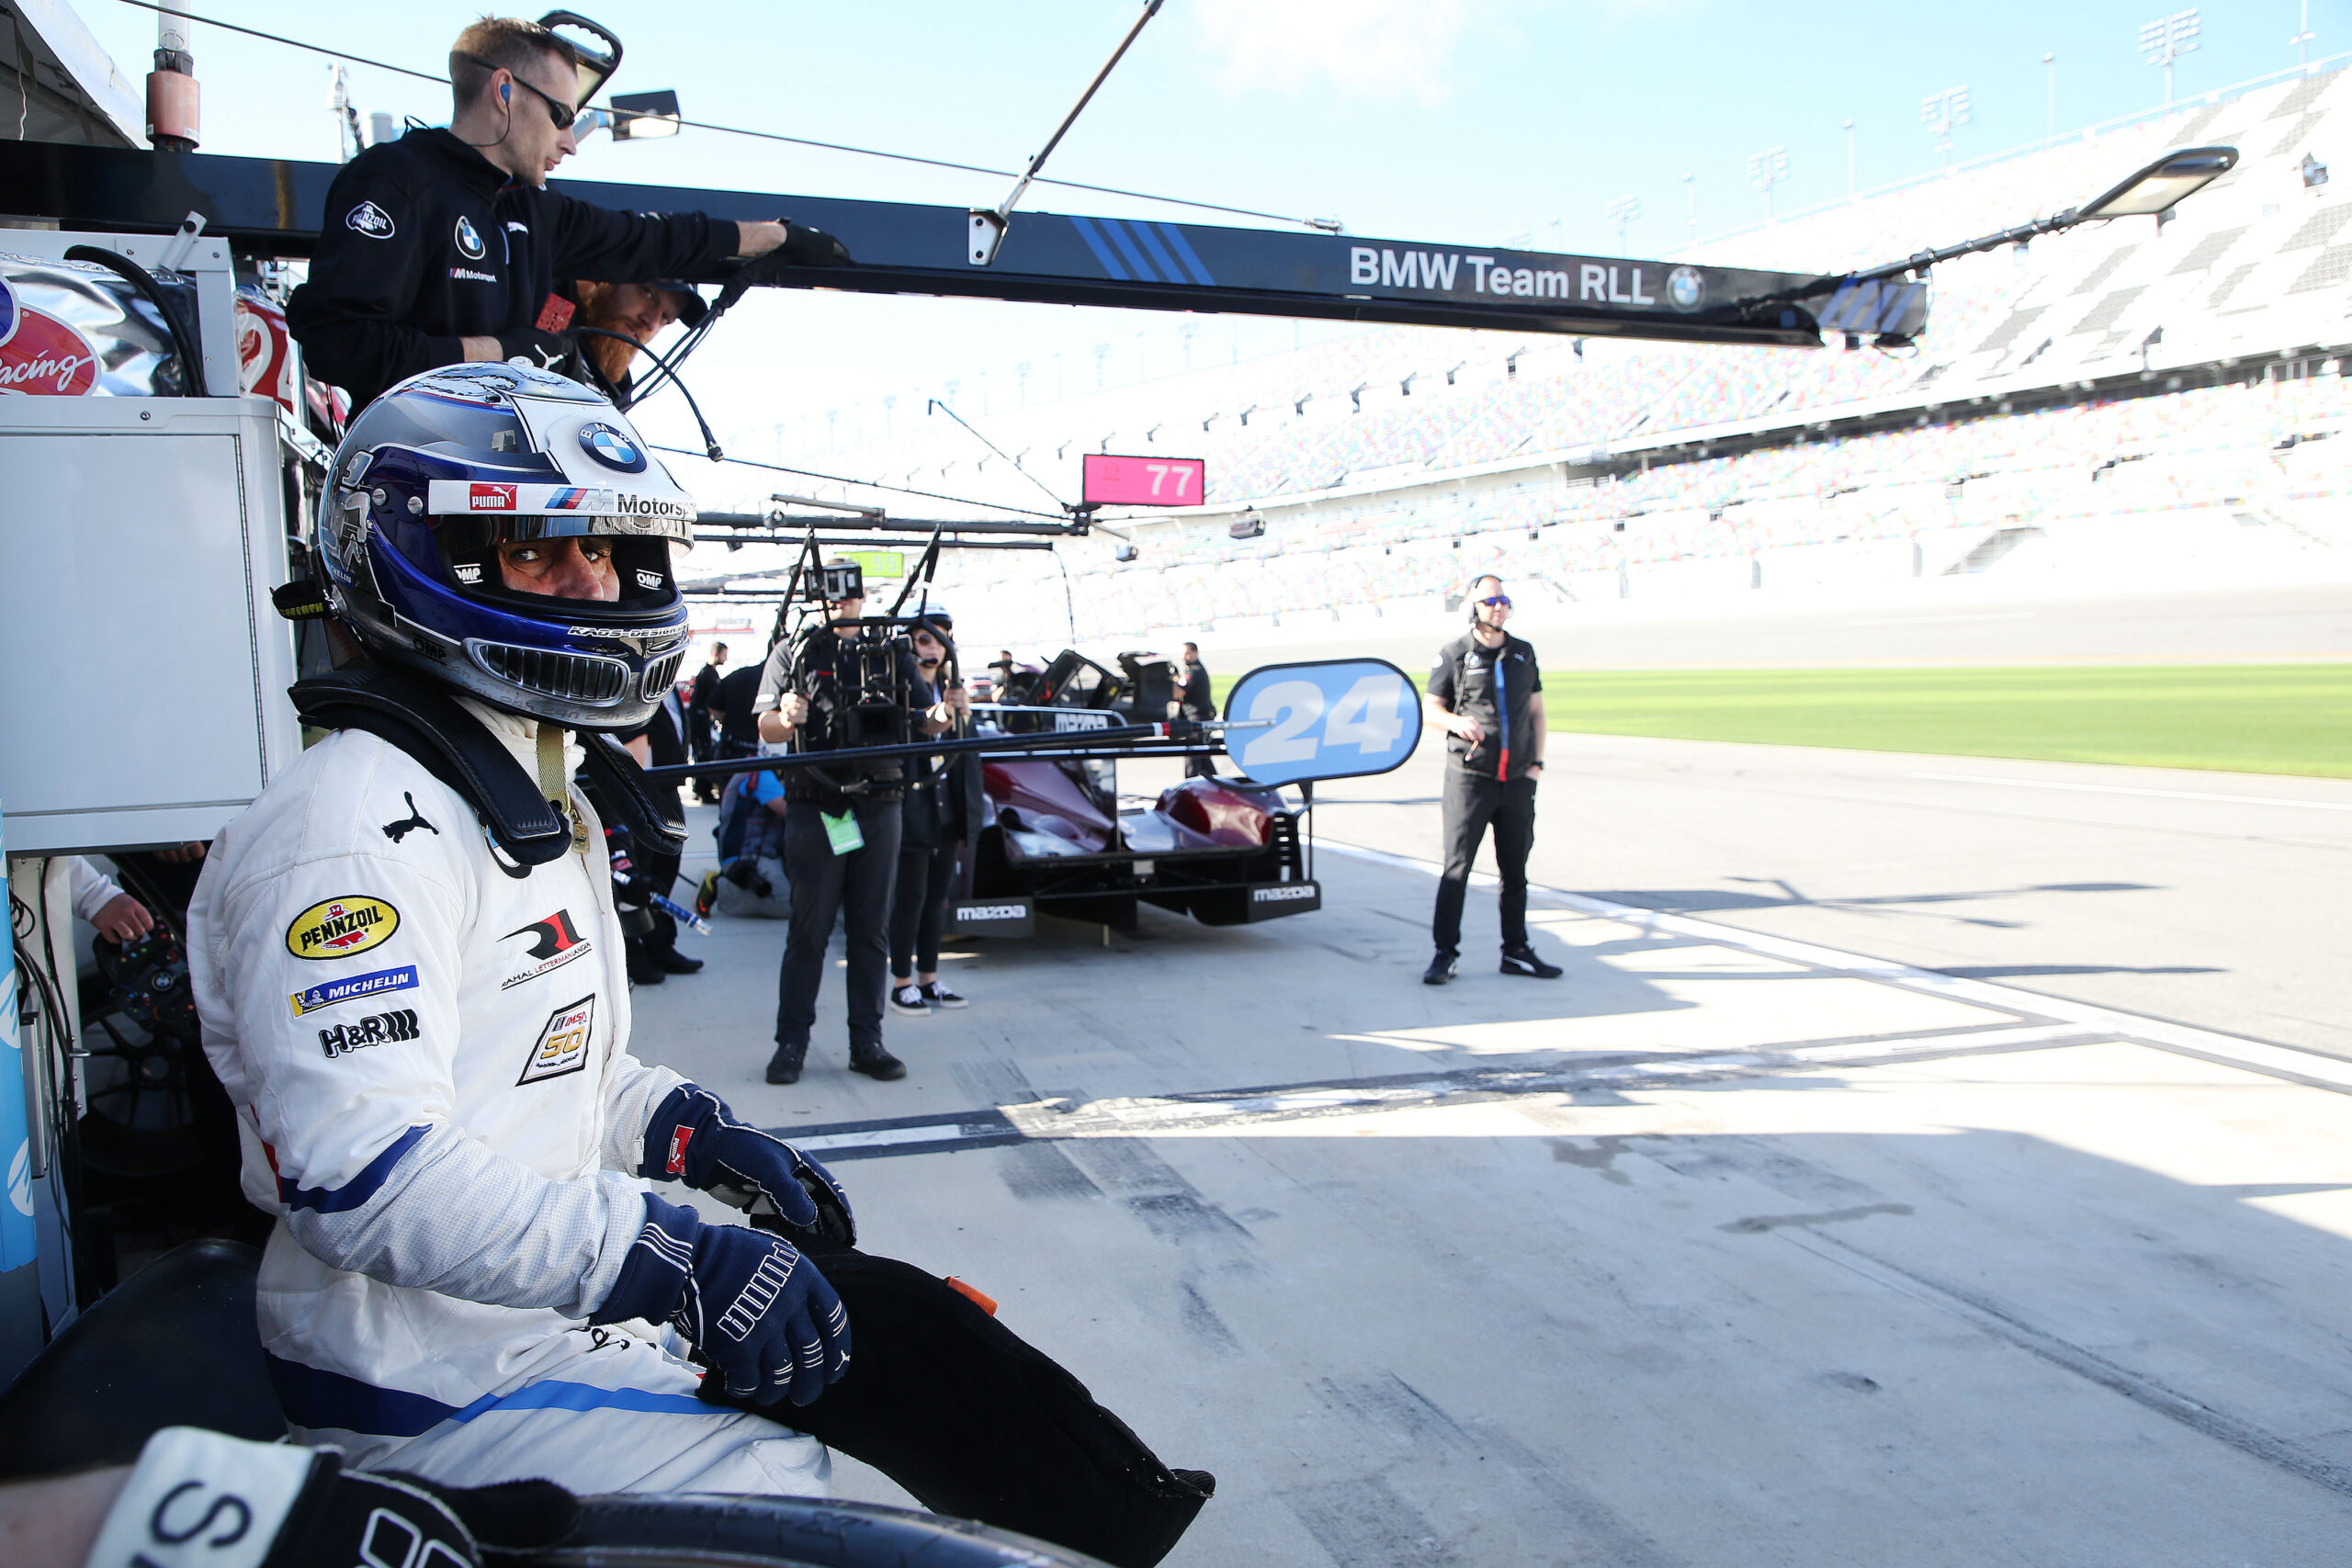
(2165, 40)
(2303, 38)
(1943, 113)
(1767, 169)
(1621, 212)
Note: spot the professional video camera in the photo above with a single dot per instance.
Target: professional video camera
(858, 687)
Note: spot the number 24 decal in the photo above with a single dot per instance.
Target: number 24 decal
(1367, 716)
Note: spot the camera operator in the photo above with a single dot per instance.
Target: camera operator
(937, 819)
(840, 824)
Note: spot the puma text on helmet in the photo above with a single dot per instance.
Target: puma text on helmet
(507, 532)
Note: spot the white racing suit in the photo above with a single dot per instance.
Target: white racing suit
(429, 1056)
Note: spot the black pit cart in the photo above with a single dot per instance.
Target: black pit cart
(1060, 838)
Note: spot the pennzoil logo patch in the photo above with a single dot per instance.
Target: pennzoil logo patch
(337, 928)
(563, 1043)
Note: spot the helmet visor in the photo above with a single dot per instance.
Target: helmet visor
(627, 573)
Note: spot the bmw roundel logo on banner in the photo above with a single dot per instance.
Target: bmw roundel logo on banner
(612, 447)
(468, 240)
(1686, 289)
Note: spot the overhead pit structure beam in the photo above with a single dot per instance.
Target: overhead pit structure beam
(274, 206)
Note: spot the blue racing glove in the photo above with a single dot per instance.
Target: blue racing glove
(694, 1138)
(761, 1315)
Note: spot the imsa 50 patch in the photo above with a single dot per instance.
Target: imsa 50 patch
(337, 928)
(563, 1043)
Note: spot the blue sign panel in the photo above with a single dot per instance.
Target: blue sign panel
(1332, 719)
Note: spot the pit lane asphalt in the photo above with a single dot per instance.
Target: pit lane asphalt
(1726, 1248)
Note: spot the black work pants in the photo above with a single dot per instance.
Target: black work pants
(658, 874)
(1472, 802)
(919, 912)
(825, 884)
(702, 744)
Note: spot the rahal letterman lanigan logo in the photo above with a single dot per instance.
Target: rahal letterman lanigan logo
(555, 941)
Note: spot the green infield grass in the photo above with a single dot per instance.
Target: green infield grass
(2256, 719)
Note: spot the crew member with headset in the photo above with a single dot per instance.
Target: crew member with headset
(1487, 694)
(840, 824)
(935, 824)
(446, 245)
(702, 717)
(1197, 704)
(413, 991)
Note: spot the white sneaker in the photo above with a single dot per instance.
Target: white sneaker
(940, 996)
(908, 999)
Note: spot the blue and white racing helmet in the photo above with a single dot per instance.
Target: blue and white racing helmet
(443, 484)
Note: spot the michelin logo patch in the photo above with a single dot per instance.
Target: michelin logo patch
(352, 988)
(563, 1043)
(337, 928)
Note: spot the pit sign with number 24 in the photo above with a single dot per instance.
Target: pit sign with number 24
(1330, 719)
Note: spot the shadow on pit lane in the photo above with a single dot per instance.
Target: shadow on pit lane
(1643, 1293)
(1719, 900)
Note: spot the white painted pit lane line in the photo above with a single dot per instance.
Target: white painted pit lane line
(2152, 793)
(1152, 1116)
(2314, 1069)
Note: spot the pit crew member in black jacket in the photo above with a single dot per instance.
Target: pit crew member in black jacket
(446, 245)
(1487, 694)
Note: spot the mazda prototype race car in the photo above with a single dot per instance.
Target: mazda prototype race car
(1059, 838)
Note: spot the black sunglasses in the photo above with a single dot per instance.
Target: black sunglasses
(561, 113)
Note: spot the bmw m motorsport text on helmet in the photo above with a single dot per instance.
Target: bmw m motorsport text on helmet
(437, 484)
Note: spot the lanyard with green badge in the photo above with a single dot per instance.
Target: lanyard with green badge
(841, 831)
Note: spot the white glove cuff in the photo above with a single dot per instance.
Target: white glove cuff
(198, 1499)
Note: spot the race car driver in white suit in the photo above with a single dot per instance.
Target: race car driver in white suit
(471, 1278)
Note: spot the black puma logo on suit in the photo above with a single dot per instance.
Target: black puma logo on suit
(396, 831)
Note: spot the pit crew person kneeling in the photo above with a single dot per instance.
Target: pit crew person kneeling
(1487, 694)
(421, 1011)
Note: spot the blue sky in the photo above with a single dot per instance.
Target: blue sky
(1446, 120)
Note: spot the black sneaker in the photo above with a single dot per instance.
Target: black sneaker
(1522, 961)
(645, 970)
(784, 1066)
(1439, 971)
(875, 1062)
(940, 996)
(908, 999)
(675, 963)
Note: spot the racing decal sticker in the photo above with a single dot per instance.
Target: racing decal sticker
(467, 573)
(371, 220)
(40, 355)
(373, 1030)
(563, 1045)
(612, 447)
(352, 988)
(555, 941)
(443, 497)
(649, 581)
(468, 239)
(337, 928)
(679, 1139)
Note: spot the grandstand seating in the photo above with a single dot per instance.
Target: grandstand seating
(1392, 463)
